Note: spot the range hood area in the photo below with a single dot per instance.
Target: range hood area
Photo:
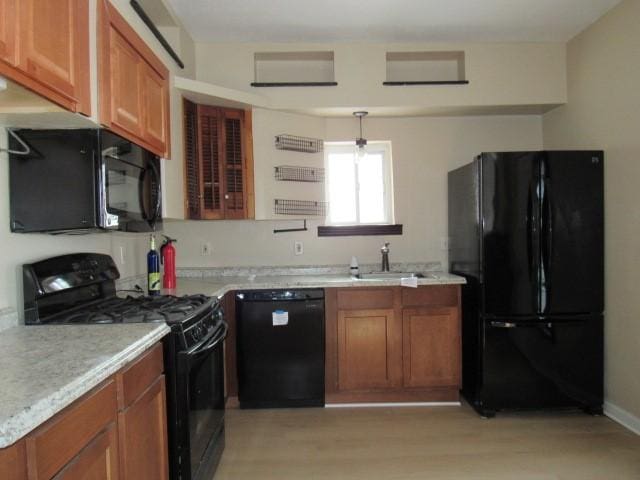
(22, 108)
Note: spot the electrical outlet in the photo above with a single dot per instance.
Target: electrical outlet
(444, 243)
(206, 249)
(298, 248)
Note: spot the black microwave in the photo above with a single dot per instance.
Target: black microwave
(82, 180)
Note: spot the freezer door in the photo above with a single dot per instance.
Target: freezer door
(556, 363)
(510, 242)
(572, 237)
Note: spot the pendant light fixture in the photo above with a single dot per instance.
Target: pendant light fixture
(361, 142)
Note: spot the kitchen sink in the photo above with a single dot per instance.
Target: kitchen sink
(391, 275)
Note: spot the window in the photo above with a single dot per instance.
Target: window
(359, 186)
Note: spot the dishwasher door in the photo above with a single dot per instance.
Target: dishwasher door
(280, 348)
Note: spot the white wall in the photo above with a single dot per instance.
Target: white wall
(424, 150)
(604, 112)
(520, 74)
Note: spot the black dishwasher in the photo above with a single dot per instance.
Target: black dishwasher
(280, 347)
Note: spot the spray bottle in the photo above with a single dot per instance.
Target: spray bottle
(153, 268)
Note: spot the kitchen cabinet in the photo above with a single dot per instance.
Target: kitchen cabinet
(430, 347)
(142, 420)
(59, 444)
(393, 344)
(44, 46)
(133, 84)
(116, 431)
(218, 163)
(366, 349)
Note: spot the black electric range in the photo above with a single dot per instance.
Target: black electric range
(80, 289)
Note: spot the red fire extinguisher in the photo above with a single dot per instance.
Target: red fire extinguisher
(168, 259)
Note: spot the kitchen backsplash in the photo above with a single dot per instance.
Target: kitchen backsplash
(8, 318)
(302, 270)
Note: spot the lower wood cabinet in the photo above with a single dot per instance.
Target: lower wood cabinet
(366, 350)
(118, 431)
(431, 347)
(393, 344)
(97, 461)
(143, 436)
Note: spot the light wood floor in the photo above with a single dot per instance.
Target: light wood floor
(424, 443)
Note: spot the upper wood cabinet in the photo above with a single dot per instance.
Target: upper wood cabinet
(8, 19)
(218, 163)
(133, 84)
(44, 46)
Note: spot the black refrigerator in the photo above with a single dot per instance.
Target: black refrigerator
(527, 232)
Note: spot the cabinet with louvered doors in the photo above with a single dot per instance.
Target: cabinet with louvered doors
(218, 163)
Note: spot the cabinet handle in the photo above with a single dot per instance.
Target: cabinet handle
(226, 196)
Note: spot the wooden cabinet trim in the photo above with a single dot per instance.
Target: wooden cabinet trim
(55, 443)
(134, 379)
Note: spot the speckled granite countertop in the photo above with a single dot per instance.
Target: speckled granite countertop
(45, 368)
(219, 285)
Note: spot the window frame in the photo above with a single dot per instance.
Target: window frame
(383, 146)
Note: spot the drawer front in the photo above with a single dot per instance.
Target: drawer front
(430, 295)
(136, 378)
(365, 299)
(53, 445)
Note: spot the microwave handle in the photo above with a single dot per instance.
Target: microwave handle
(156, 207)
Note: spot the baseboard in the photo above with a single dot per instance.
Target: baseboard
(392, 404)
(623, 417)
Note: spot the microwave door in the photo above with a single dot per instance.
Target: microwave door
(122, 191)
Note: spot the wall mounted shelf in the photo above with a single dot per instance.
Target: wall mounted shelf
(293, 69)
(437, 82)
(294, 84)
(299, 207)
(296, 143)
(290, 173)
(426, 68)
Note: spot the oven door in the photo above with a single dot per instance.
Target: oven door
(201, 405)
(130, 186)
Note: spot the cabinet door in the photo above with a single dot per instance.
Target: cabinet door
(126, 85)
(154, 107)
(234, 165)
(431, 347)
(8, 9)
(365, 349)
(143, 436)
(54, 46)
(98, 461)
(210, 132)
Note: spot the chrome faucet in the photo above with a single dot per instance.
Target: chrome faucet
(385, 257)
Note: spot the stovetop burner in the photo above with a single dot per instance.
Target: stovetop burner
(169, 309)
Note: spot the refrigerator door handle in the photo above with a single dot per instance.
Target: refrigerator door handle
(503, 324)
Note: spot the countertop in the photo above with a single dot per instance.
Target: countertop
(219, 285)
(45, 368)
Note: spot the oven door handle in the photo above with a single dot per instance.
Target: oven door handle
(208, 345)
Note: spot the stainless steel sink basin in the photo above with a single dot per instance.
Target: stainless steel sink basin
(389, 275)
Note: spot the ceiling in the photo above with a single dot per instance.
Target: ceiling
(387, 21)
